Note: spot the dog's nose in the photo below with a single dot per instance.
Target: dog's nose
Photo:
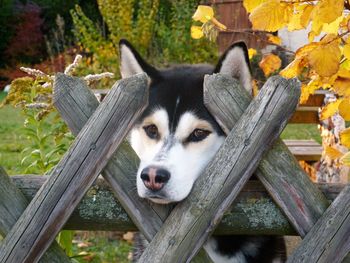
(154, 178)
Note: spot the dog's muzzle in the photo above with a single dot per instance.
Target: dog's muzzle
(154, 178)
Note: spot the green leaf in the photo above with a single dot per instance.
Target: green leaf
(65, 239)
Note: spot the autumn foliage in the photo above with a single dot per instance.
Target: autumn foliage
(323, 64)
(28, 41)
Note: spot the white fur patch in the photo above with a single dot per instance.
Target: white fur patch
(128, 65)
(184, 161)
(236, 66)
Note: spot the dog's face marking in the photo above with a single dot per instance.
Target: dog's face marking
(192, 143)
(176, 137)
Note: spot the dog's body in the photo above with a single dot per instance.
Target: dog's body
(176, 137)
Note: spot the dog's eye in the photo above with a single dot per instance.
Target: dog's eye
(198, 135)
(151, 131)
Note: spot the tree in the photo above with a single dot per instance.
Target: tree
(321, 64)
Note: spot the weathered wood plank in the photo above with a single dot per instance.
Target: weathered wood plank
(329, 240)
(75, 173)
(12, 205)
(121, 170)
(253, 212)
(191, 221)
(279, 171)
(75, 108)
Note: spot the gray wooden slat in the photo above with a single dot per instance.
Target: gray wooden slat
(71, 178)
(75, 105)
(279, 171)
(254, 212)
(12, 205)
(121, 170)
(329, 240)
(191, 221)
(301, 143)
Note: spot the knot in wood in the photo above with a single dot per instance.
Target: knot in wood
(171, 241)
(93, 146)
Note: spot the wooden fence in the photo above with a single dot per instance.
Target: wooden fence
(100, 130)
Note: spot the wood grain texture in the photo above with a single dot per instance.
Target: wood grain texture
(76, 104)
(75, 173)
(194, 219)
(279, 171)
(12, 205)
(329, 240)
(254, 212)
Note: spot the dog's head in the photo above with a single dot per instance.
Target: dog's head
(176, 137)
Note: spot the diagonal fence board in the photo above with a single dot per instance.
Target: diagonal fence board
(76, 104)
(75, 108)
(285, 180)
(191, 221)
(12, 205)
(71, 178)
(329, 240)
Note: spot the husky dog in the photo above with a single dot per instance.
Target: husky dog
(176, 137)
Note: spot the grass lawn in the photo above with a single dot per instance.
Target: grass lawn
(12, 141)
(302, 132)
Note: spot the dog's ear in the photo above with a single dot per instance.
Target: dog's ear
(132, 63)
(235, 62)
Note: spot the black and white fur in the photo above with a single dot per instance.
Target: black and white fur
(176, 137)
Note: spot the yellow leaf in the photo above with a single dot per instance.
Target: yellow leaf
(346, 159)
(342, 86)
(250, 5)
(295, 22)
(345, 137)
(293, 69)
(343, 73)
(332, 28)
(270, 64)
(328, 10)
(316, 29)
(333, 153)
(344, 109)
(330, 109)
(251, 53)
(325, 59)
(346, 51)
(274, 39)
(345, 64)
(270, 16)
(255, 88)
(203, 13)
(307, 90)
(196, 32)
(218, 24)
(305, 50)
(305, 17)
